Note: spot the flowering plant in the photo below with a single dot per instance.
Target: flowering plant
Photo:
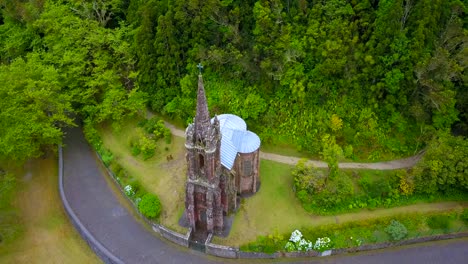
(296, 236)
(322, 244)
(129, 190)
(297, 242)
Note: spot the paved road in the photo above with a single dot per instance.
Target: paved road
(111, 221)
(101, 212)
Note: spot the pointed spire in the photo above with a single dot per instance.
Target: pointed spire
(202, 117)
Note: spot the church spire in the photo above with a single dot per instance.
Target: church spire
(202, 117)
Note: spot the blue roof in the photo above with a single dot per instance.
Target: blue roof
(235, 139)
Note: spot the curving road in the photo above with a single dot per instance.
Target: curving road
(109, 219)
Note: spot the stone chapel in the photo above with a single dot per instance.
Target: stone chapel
(222, 165)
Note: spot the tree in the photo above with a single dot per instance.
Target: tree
(331, 153)
(34, 108)
(444, 165)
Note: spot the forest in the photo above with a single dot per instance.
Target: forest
(380, 79)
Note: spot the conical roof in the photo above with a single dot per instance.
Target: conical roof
(202, 117)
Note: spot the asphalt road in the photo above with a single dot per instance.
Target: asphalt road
(111, 221)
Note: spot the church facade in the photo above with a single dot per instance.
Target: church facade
(222, 165)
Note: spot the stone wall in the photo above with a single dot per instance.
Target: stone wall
(218, 250)
(258, 255)
(173, 236)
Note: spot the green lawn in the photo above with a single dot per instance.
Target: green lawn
(273, 209)
(47, 235)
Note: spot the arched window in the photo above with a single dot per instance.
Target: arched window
(201, 161)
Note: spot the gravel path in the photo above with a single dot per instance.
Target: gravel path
(385, 165)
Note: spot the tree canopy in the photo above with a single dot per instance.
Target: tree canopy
(379, 77)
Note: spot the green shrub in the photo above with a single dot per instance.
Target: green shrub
(92, 135)
(464, 216)
(396, 230)
(167, 136)
(150, 206)
(106, 156)
(136, 150)
(438, 222)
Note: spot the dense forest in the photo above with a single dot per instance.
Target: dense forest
(379, 78)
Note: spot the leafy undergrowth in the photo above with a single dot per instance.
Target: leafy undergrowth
(47, 235)
(355, 189)
(357, 233)
(275, 209)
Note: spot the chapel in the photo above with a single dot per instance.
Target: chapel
(222, 166)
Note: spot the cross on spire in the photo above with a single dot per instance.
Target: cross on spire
(200, 67)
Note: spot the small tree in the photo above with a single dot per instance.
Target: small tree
(331, 153)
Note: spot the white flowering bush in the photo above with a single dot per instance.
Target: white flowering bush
(129, 190)
(305, 245)
(296, 236)
(322, 244)
(298, 243)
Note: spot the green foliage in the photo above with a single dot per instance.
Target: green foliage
(438, 222)
(464, 215)
(150, 206)
(156, 128)
(396, 230)
(136, 150)
(267, 244)
(33, 108)
(380, 76)
(444, 165)
(106, 156)
(331, 153)
(313, 188)
(357, 233)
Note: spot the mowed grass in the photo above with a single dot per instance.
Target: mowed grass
(47, 235)
(274, 208)
(157, 175)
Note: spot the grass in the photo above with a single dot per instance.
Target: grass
(47, 235)
(274, 209)
(157, 174)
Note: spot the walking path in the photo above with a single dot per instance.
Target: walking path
(386, 165)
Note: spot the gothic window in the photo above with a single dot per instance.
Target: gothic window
(247, 166)
(201, 159)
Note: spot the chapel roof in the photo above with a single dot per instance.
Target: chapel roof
(235, 138)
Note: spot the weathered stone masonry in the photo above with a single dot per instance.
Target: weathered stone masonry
(222, 163)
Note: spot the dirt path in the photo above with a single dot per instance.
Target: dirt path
(386, 165)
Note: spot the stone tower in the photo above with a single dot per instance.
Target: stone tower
(203, 200)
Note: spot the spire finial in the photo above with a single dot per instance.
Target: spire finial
(200, 67)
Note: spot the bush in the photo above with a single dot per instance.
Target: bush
(136, 150)
(464, 216)
(106, 156)
(438, 222)
(396, 230)
(150, 206)
(92, 135)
